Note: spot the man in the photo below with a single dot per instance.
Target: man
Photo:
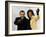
(22, 21)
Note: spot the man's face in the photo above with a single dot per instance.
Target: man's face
(30, 14)
(22, 14)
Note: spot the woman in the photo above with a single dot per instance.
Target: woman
(33, 19)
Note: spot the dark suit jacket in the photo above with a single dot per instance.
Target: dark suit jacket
(22, 24)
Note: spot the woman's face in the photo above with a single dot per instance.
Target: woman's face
(30, 14)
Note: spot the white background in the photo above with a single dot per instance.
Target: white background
(2, 19)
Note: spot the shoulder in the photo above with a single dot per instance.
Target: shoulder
(17, 18)
(33, 16)
(26, 19)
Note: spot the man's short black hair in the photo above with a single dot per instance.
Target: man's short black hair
(22, 11)
(30, 11)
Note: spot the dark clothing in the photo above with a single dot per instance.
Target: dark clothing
(23, 24)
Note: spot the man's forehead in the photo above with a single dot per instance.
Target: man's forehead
(22, 13)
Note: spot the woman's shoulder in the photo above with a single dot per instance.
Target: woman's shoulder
(34, 16)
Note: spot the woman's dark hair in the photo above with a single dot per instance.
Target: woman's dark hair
(30, 11)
